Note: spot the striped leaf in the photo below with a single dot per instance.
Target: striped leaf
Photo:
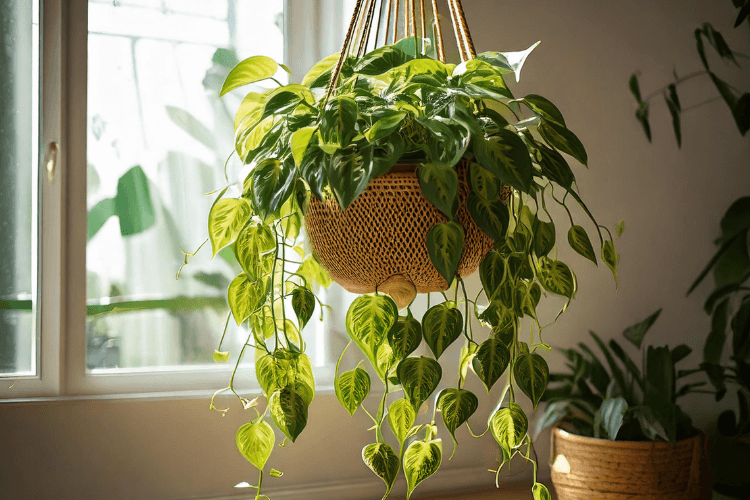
(255, 442)
(441, 326)
(421, 460)
(419, 377)
(491, 360)
(556, 277)
(352, 388)
(532, 374)
(226, 218)
(244, 296)
(255, 250)
(404, 337)
(401, 417)
(579, 241)
(440, 187)
(445, 242)
(509, 427)
(383, 461)
(456, 406)
(368, 321)
(289, 411)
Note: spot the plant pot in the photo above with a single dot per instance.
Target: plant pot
(379, 242)
(586, 468)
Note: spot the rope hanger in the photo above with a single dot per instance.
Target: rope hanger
(358, 36)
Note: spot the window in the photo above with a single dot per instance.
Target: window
(130, 181)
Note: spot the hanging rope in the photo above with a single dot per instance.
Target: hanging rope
(439, 30)
(464, 27)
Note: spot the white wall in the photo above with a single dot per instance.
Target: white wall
(670, 199)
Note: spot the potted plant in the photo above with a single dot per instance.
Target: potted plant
(619, 430)
(407, 174)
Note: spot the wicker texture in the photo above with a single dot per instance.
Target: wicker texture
(381, 237)
(597, 469)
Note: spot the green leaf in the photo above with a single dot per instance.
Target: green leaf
(421, 460)
(404, 337)
(133, 205)
(530, 299)
(491, 360)
(509, 427)
(255, 250)
(579, 241)
(349, 173)
(540, 492)
(492, 217)
(411, 46)
(446, 142)
(98, 215)
(255, 442)
(275, 473)
(299, 141)
(273, 183)
(641, 115)
(483, 183)
(312, 78)
(383, 461)
(674, 110)
(313, 271)
(610, 415)
(619, 228)
(445, 242)
(368, 321)
(310, 169)
(338, 122)
(456, 406)
(251, 70)
(467, 355)
(507, 157)
(543, 108)
(636, 332)
(289, 411)
(381, 60)
(273, 372)
(554, 167)
(352, 388)
(610, 258)
(635, 88)
(544, 237)
(419, 377)
(401, 417)
(385, 125)
(559, 137)
(531, 373)
(221, 356)
(441, 326)
(714, 346)
(492, 272)
(244, 296)
(717, 42)
(440, 187)
(280, 102)
(303, 303)
(512, 62)
(303, 374)
(556, 277)
(226, 218)
(650, 425)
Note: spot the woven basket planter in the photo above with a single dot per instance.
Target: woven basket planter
(586, 468)
(379, 242)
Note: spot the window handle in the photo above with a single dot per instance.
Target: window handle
(50, 159)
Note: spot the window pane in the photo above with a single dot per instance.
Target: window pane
(158, 139)
(19, 146)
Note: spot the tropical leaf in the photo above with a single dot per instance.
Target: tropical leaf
(440, 187)
(554, 167)
(404, 337)
(273, 183)
(226, 218)
(255, 250)
(385, 124)
(610, 416)
(349, 173)
(273, 372)
(544, 237)
(483, 183)
(531, 373)
(441, 326)
(383, 461)
(540, 492)
(492, 217)
(509, 427)
(543, 108)
(456, 406)
(507, 157)
(299, 141)
(255, 442)
(445, 243)
(244, 296)
(381, 60)
(559, 137)
(323, 67)
(352, 388)
(556, 277)
(303, 303)
(611, 258)
(636, 332)
(401, 417)
(289, 411)
(421, 460)
(467, 355)
(490, 361)
(368, 321)
(579, 241)
(492, 272)
(338, 122)
(419, 377)
(251, 70)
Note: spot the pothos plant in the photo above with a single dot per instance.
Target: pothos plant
(396, 105)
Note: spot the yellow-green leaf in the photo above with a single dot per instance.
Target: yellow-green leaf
(352, 388)
(401, 417)
(221, 356)
(441, 326)
(244, 297)
(368, 321)
(456, 406)
(532, 374)
(226, 218)
(251, 70)
(289, 411)
(611, 258)
(419, 377)
(421, 460)
(255, 250)
(491, 360)
(383, 461)
(299, 141)
(579, 241)
(509, 427)
(255, 442)
(445, 242)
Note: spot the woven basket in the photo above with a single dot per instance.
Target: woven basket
(586, 468)
(379, 242)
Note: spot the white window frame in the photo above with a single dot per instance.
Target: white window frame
(61, 227)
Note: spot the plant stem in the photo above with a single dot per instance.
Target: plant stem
(260, 484)
(680, 80)
(226, 325)
(702, 103)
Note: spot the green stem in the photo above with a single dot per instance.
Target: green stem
(680, 80)
(260, 484)
(226, 325)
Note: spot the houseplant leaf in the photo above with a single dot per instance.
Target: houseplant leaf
(540, 492)
(299, 141)
(383, 461)
(636, 332)
(531, 373)
(445, 243)
(483, 183)
(556, 277)
(490, 361)
(492, 217)
(509, 427)
(273, 183)
(544, 237)
(273, 372)
(440, 187)
(368, 321)
(559, 137)
(506, 156)
(611, 414)
(419, 377)
(352, 388)
(251, 70)
(226, 218)
(401, 417)
(492, 272)
(610, 258)
(255, 250)
(289, 411)
(456, 406)
(421, 460)
(579, 241)
(255, 442)
(441, 326)
(349, 172)
(404, 337)
(244, 296)
(303, 303)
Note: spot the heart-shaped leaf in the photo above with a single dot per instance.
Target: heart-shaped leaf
(273, 183)
(383, 461)
(556, 277)
(509, 427)
(559, 137)
(544, 238)
(385, 124)
(352, 388)
(303, 303)
(467, 355)
(255, 442)
(381, 60)
(531, 373)
(507, 157)
(368, 321)
(445, 242)
(419, 377)
(349, 173)
(251, 70)
(404, 337)
(339, 122)
(492, 272)
(483, 183)
(226, 218)
(543, 108)
(401, 416)
(289, 411)
(540, 492)
(310, 170)
(255, 250)
(456, 406)
(554, 167)
(440, 187)
(244, 296)
(492, 217)
(299, 141)
(441, 326)
(312, 78)
(491, 360)
(273, 371)
(421, 460)
(303, 375)
(579, 241)
(611, 258)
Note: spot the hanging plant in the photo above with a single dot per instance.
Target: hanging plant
(407, 174)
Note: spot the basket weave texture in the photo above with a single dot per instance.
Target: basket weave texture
(381, 237)
(597, 469)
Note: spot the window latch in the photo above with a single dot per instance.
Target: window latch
(50, 160)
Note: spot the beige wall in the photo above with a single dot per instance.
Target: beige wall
(670, 199)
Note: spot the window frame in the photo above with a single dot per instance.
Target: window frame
(61, 227)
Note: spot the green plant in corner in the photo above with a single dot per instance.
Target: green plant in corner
(322, 143)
